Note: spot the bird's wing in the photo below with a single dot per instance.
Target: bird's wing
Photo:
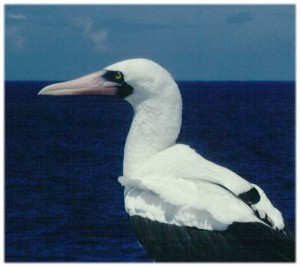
(198, 203)
(198, 207)
(181, 177)
(182, 161)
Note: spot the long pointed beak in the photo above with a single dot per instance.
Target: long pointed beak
(87, 85)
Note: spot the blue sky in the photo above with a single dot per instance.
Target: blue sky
(194, 42)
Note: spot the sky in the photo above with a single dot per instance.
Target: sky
(194, 42)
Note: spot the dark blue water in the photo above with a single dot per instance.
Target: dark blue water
(63, 155)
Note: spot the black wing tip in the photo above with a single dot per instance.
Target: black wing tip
(250, 197)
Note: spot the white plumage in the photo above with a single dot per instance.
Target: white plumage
(168, 182)
(182, 190)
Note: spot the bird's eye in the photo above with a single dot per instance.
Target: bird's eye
(118, 75)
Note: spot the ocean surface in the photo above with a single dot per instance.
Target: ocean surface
(63, 155)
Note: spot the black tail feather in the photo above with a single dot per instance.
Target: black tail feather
(241, 242)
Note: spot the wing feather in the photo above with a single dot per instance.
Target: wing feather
(241, 242)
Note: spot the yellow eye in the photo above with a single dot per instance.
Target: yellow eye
(118, 76)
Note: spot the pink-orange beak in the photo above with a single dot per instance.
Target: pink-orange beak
(87, 85)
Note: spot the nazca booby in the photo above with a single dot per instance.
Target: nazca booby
(182, 207)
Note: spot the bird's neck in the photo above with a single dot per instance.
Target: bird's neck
(155, 127)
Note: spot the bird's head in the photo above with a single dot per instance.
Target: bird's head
(134, 80)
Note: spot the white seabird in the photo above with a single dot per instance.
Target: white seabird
(182, 207)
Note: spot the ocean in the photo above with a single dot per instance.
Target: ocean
(63, 155)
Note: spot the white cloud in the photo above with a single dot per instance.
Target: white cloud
(15, 31)
(97, 37)
(17, 16)
(15, 38)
